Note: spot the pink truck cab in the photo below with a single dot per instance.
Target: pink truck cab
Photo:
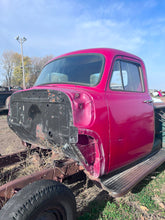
(94, 106)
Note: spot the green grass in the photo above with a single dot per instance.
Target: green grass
(150, 188)
(111, 210)
(144, 202)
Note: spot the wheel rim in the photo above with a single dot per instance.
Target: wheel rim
(57, 213)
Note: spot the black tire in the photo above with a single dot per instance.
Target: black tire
(41, 200)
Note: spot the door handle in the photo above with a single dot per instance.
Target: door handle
(148, 101)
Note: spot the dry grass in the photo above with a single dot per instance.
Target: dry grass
(33, 163)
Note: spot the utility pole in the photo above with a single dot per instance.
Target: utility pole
(21, 41)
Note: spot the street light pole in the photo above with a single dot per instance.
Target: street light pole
(21, 41)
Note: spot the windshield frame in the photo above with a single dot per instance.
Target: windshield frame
(75, 83)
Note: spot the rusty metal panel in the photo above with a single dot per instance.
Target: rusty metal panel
(42, 117)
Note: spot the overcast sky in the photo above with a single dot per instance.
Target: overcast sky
(54, 27)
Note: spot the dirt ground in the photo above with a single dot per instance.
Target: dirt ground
(9, 142)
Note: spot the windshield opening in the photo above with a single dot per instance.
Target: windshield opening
(77, 69)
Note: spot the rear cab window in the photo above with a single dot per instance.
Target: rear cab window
(127, 76)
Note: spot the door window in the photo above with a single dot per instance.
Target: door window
(126, 76)
(116, 80)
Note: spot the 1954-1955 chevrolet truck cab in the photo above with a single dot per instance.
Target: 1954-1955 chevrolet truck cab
(94, 106)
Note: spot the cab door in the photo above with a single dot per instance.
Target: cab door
(131, 115)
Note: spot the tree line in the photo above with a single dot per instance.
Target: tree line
(12, 68)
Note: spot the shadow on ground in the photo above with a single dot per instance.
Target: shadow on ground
(95, 207)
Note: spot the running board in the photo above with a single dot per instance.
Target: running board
(119, 184)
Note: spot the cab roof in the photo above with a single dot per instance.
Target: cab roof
(105, 51)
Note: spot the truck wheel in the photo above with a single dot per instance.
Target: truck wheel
(41, 200)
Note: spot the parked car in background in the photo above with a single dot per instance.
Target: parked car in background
(5, 94)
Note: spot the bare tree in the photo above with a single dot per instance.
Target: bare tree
(37, 65)
(11, 65)
(8, 66)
